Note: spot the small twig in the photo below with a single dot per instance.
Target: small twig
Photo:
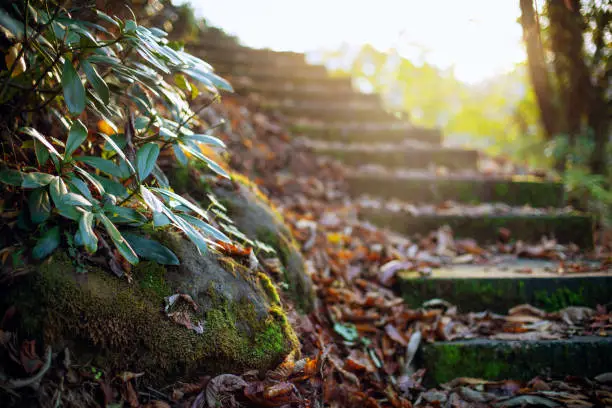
(13, 384)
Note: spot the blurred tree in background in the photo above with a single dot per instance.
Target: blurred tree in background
(569, 64)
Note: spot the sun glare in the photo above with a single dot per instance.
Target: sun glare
(480, 38)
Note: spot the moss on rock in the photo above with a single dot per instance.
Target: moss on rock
(121, 326)
(256, 217)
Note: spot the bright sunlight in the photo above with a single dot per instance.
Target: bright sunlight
(480, 38)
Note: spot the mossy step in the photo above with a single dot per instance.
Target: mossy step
(500, 287)
(430, 189)
(520, 360)
(381, 133)
(406, 157)
(566, 228)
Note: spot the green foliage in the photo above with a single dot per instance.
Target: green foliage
(499, 116)
(63, 77)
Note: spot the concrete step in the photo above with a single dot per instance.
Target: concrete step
(422, 188)
(250, 57)
(333, 111)
(315, 73)
(584, 356)
(507, 282)
(566, 228)
(310, 93)
(404, 157)
(284, 78)
(392, 131)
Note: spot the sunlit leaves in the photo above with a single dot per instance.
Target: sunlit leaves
(120, 243)
(74, 91)
(36, 179)
(98, 178)
(211, 164)
(87, 235)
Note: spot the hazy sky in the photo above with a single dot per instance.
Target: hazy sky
(480, 38)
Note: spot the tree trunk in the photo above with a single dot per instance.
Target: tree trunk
(538, 70)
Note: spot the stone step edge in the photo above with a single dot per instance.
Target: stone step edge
(438, 189)
(584, 356)
(498, 293)
(576, 229)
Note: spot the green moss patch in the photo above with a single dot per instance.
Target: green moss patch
(501, 360)
(500, 294)
(122, 326)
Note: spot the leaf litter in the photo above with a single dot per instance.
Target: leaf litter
(360, 342)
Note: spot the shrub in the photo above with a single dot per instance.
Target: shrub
(65, 77)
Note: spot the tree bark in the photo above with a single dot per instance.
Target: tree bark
(538, 69)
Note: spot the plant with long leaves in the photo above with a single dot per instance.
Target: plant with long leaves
(66, 76)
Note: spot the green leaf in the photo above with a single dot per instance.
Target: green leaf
(42, 154)
(124, 215)
(122, 246)
(107, 18)
(146, 157)
(11, 177)
(36, 135)
(211, 164)
(35, 180)
(58, 190)
(40, 205)
(159, 220)
(206, 228)
(151, 250)
(151, 200)
(118, 150)
(96, 81)
(192, 233)
(130, 25)
(180, 155)
(81, 187)
(348, 331)
(110, 186)
(206, 139)
(76, 136)
(88, 237)
(101, 164)
(74, 91)
(183, 201)
(47, 243)
(73, 199)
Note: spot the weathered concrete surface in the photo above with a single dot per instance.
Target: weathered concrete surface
(520, 360)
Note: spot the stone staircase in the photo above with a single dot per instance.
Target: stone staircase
(394, 165)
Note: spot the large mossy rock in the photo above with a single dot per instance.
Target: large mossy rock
(255, 216)
(123, 326)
